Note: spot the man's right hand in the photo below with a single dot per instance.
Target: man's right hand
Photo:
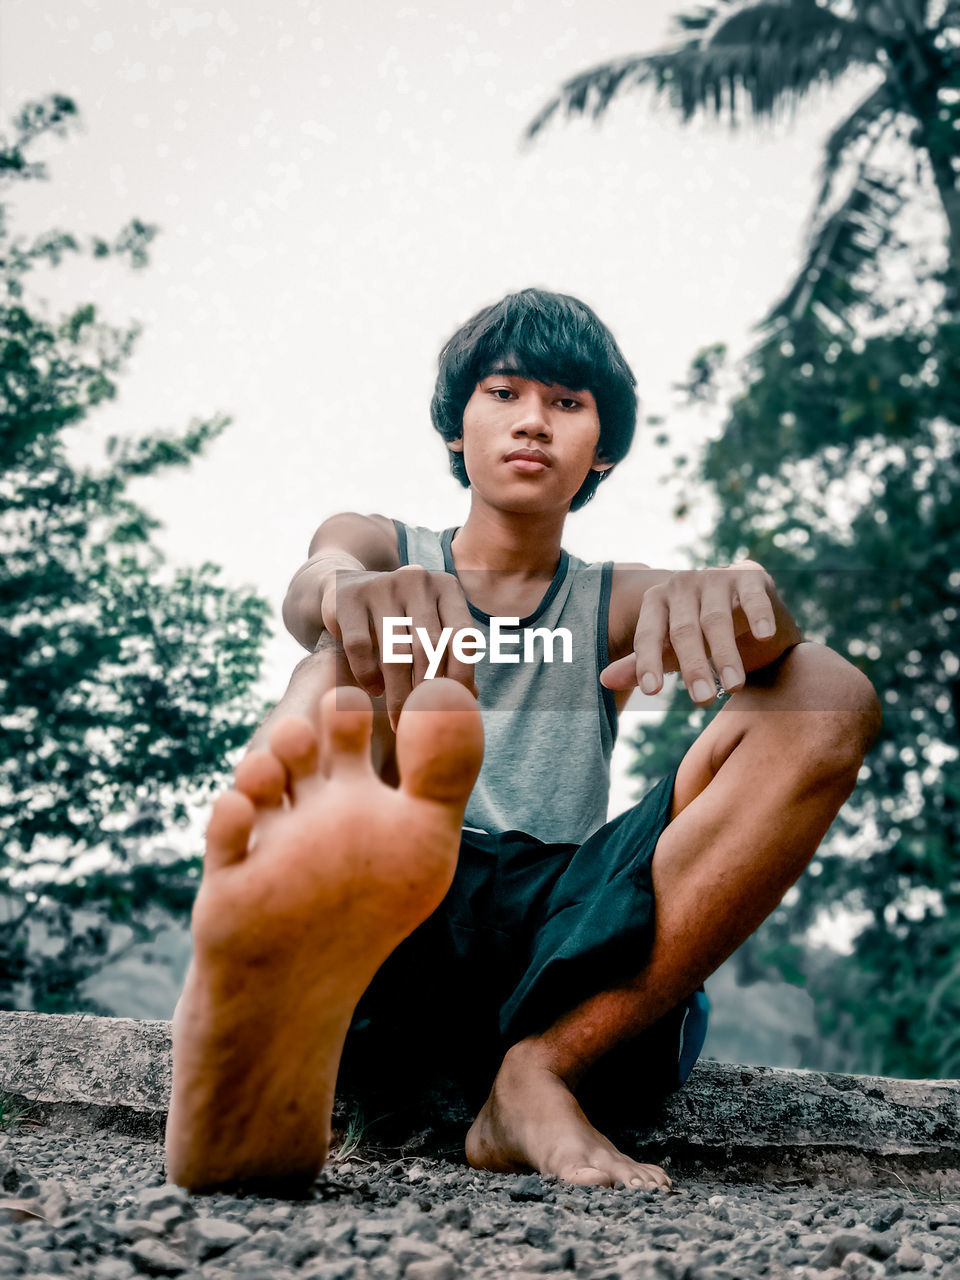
(354, 605)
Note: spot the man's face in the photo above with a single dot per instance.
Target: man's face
(529, 445)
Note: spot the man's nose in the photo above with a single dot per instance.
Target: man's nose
(532, 420)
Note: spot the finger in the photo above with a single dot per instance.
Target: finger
(397, 686)
(621, 674)
(687, 639)
(361, 648)
(716, 623)
(427, 640)
(754, 590)
(455, 615)
(648, 640)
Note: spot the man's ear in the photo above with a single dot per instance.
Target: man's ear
(455, 446)
(601, 464)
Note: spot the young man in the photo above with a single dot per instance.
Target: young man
(340, 844)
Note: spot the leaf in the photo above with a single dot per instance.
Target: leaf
(867, 121)
(768, 54)
(21, 1211)
(847, 240)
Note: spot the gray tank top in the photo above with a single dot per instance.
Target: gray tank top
(549, 726)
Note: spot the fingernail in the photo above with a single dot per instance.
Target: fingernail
(649, 682)
(729, 677)
(764, 630)
(703, 692)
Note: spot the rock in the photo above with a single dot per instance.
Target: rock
(212, 1236)
(340, 1235)
(152, 1200)
(55, 1202)
(139, 1229)
(885, 1219)
(431, 1269)
(407, 1249)
(12, 1259)
(859, 1267)
(908, 1258)
(539, 1235)
(553, 1261)
(458, 1216)
(845, 1242)
(527, 1187)
(153, 1258)
(345, 1269)
(112, 1269)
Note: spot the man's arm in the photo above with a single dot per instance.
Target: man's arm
(352, 582)
(344, 542)
(730, 621)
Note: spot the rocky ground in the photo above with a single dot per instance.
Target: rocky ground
(95, 1206)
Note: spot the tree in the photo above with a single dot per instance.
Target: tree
(762, 58)
(837, 467)
(125, 684)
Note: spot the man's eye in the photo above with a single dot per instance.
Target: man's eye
(501, 393)
(568, 402)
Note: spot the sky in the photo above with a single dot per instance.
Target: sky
(338, 187)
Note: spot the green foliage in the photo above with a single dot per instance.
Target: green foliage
(761, 59)
(838, 469)
(125, 684)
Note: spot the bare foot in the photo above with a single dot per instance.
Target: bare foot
(532, 1121)
(301, 902)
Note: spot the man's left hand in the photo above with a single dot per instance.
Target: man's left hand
(706, 623)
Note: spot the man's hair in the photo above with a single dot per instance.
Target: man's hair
(550, 338)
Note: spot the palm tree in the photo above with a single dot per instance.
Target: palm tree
(762, 58)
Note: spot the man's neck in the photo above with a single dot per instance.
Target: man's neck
(509, 542)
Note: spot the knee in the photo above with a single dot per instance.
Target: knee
(840, 709)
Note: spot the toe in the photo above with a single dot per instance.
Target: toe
(228, 832)
(294, 743)
(440, 742)
(649, 1176)
(589, 1175)
(262, 778)
(346, 725)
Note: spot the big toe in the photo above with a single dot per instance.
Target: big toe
(587, 1175)
(440, 742)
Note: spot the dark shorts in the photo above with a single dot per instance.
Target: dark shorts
(527, 931)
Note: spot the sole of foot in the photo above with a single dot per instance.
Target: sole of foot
(314, 871)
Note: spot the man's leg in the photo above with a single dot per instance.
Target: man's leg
(754, 797)
(315, 870)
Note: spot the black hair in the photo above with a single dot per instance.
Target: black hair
(550, 338)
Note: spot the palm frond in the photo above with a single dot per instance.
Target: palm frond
(770, 54)
(592, 91)
(703, 17)
(867, 117)
(846, 241)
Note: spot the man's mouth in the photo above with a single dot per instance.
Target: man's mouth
(528, 460)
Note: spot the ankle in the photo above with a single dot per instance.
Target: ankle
(543, 1053)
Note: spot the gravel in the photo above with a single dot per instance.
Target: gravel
(95, 1206)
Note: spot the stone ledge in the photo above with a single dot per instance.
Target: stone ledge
(85, 1073)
